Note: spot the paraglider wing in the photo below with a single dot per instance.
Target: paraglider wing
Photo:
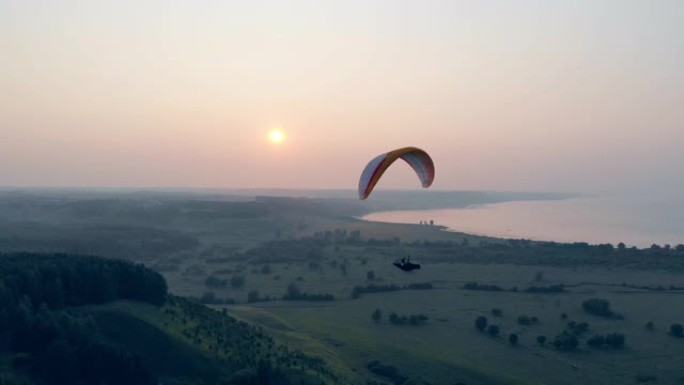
(418, 159)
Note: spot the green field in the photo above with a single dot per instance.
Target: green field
(219, 252)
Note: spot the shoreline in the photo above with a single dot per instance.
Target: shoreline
(581, 220)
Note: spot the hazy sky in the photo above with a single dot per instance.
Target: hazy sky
(507, 95)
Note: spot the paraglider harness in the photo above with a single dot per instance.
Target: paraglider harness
(406, 265)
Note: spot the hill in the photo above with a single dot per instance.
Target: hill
(86, 320)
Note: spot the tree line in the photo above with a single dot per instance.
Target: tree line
(58, 346)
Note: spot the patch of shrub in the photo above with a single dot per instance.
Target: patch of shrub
(481, 323)
(577, 328)
(641, 378)
(541, 340)
(479, 286)
(389, 371)
(373, 288)
(493, 330)
(237, 281)
(513, 339)
(566, 341)
(599, 307)
(215, 282)
(611, 340)
(546, 289)
(413, 319)
(295, 294)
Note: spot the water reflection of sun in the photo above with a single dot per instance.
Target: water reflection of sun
(276, 136)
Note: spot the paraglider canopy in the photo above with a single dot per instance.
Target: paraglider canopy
(418, 159)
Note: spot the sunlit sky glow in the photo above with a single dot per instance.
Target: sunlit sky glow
(507, 95)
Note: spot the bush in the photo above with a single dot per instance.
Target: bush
(484, 287)
(546, 289)
(493, 330)
(646, 378)
(566, 341)
(237, 281)
(578, 328)
(208, 297)
(611, 340)
(294, 293)
(599, 307)
(513, 339)
(541, 340)
(376, 316)
(497, 312)
(215, 282)
(253, 296)
(413, 319)
(481, 323)
(677, 330)
(388, 371)
(524, 320)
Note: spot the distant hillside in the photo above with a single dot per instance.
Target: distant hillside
(149, 225)
(62, 321)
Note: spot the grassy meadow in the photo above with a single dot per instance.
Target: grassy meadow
(244, 256)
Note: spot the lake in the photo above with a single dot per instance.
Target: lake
(637, 222)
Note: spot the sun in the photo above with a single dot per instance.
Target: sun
(276, 136)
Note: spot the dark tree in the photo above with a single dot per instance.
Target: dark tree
(596, 341)
(293, 291)
(541, 340)
(497, 312)
(481, 323)
(377, 315)
(566, 341)
(610, 340)
(208, 297)
(253, 296)
(513, 339)
(615, 340)
(649, 325)
(215, 282)
(370, 275)
(677, 330)
(596, 306)
(237, 281)
(493, 330)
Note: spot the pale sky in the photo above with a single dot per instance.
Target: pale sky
(584, 96)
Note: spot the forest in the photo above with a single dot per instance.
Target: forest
(53, 332)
